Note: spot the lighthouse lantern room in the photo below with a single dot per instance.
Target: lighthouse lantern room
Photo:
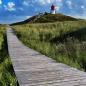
(53, 9)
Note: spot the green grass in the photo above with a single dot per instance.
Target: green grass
(63, 41)
(46, 18)
(7, 75)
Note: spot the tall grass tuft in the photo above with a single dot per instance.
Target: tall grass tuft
(7, 75)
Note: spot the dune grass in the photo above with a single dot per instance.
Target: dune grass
(7, 75)
(63, 41)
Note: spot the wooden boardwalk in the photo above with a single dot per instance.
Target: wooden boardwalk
(35, 69)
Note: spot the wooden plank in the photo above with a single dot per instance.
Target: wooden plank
(35, 69)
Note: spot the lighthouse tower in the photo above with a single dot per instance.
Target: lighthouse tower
(53, 9)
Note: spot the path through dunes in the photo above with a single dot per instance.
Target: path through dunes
(35, 69)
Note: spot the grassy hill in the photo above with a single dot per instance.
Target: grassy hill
(47, 17)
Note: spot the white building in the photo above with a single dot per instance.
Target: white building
(53, 9)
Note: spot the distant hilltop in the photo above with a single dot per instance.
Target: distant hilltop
(47, 17)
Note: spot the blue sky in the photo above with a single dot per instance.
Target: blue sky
(17, 10)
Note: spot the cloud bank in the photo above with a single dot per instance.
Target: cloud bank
(10, 6)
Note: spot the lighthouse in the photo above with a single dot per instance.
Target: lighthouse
(53, 9)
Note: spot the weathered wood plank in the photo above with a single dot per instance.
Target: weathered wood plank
(35, 69)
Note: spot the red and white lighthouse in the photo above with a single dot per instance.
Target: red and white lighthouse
(53, 9)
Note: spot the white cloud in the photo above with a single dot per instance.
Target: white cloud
(84, 10)
(43, 2)
(69, 3)
(25, 3)
(28, 17)
(21, 8)
(57, 8)
(58, 3)
(0, 2)
(80, 16)
(59, 0)
(82, 6)
(10, 6)
(28, 3)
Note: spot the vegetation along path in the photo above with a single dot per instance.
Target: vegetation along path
(35, 69)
